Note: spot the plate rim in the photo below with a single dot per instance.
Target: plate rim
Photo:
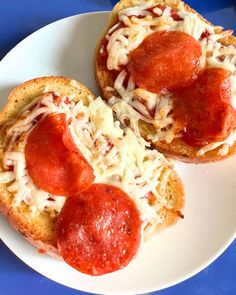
(146, 290)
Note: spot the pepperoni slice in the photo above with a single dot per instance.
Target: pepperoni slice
(53, 161)
(160, 64)
(204, 108)
(99, 230)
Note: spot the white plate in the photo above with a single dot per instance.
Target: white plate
(66, 47)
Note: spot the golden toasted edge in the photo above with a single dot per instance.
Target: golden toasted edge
(174, 193)
(177, 149)
(24, 93)
(39, 230)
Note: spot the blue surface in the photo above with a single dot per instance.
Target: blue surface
(17, 20)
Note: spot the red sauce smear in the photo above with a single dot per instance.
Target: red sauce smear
(173, 13)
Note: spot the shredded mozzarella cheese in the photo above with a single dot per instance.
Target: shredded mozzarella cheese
(135, 105)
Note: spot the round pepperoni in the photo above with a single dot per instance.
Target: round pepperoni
(165, 61)
(204, 108)
(53, 161)
(99, 230)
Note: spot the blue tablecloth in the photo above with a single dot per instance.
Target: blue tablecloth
(17, 20)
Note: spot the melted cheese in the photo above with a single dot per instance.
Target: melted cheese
(138, 23)
(224, 145)
(118, 156)
(135, 105)
(6, 177)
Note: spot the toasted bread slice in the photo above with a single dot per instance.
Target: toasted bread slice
(40, 229)
(177, 148)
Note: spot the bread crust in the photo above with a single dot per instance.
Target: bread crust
(40, 230)
(174, 193)
(177, 149)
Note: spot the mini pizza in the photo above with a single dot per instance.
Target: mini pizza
(170, 75)
(76, 184)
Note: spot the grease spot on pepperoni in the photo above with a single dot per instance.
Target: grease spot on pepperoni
(205, 109)
(53, 161)
(99, 230)
(160, 64)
